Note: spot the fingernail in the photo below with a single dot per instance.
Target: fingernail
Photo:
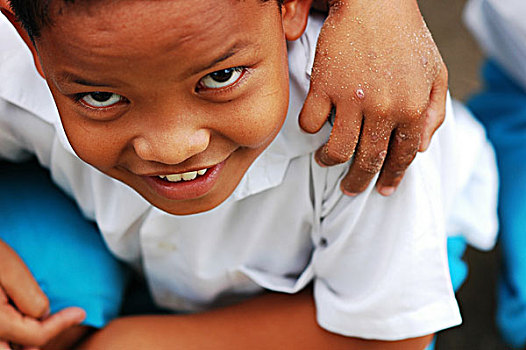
(350, 194)
(46, 314)
(76, 314)
(320, 163)
(386, 190)
(319, 155)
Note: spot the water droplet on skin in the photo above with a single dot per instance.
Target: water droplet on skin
(424, 61)
(360, 94)
(400, 136)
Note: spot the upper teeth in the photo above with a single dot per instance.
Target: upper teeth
(190, 175)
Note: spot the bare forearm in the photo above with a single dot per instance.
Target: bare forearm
(269, 322)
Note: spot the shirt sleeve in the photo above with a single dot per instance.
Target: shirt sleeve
(11, 146)
(380, 265)
(24, 135)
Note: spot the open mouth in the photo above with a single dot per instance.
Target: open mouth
(187, 185)
(187, 176)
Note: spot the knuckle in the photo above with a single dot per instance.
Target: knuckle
(395, 176)
(415, 113)
(398, 165)
(338, 154)
(357, 183)
(372, 164)
(384, 111)
(408, 139)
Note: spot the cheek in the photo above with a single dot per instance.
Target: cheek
(97, 146)
(259, 123)
(261, 114)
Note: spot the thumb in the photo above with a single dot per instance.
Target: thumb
(20, 286)
(62, 320)
(436, 110)
(30, 332)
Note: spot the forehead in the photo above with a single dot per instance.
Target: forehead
(102, 26)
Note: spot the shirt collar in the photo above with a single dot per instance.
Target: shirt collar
(22, 85)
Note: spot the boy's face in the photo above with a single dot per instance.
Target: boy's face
(150, 92)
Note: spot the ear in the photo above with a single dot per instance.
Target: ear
(294, 17)
(6, 10)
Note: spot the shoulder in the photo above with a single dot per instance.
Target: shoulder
(23, 91)
(21, 84)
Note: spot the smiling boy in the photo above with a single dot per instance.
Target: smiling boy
(186, 103)
(165, 118)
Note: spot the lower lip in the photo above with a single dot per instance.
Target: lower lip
(183, 190)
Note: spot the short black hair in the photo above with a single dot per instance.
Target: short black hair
(33, 14)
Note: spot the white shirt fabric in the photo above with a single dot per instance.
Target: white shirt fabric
(378, 265)
(500, 28)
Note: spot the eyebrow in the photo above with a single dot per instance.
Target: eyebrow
(68, 77)
(231, 51)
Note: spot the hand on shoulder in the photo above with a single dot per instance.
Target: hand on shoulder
(378, 69)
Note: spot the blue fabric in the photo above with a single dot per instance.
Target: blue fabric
(458, 269)
(501, 107)
(63, 250)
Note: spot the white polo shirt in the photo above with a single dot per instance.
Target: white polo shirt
(378, 265)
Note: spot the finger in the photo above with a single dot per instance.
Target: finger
(344, 136)
(403, 147)
(315, 111)
(436, 110)
(19, 284)
(31, 332)
(370, 155)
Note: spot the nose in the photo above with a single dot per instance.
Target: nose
(170, 146)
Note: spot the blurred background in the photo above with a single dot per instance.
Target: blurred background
(477, 296)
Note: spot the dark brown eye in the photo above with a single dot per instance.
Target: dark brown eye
(222, 75)
(100, 99)
(222, 78)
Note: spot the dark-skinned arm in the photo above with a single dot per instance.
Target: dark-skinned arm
(270, 321)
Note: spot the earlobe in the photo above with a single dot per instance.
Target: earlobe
(6, 11)
(294, 15)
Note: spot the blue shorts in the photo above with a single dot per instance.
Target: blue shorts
(63, 250)
(501, 107)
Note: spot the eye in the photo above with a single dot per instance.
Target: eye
(222, 78)
(99, 99)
